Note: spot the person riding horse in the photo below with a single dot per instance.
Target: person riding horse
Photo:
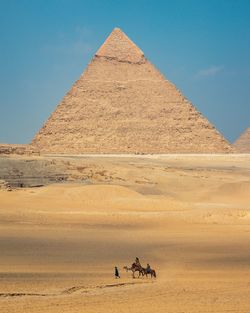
(136, 267)
(148, 269)
(137, 262)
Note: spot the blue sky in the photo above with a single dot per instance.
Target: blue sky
(201, 46)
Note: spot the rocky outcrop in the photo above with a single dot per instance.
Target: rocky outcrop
(242, 144)
(32, 171)
(18, 149)
(16, 172)
(123, 104)
(5, 185)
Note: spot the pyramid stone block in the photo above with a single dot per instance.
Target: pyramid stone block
(123, 104)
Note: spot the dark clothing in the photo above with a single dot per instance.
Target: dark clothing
(148, 269)
(117, 273)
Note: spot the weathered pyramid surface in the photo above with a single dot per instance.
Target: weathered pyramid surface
(122, 104)
(119, 47)
(242, 144)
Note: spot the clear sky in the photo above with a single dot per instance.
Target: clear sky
(203, 46)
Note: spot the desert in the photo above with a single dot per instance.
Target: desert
(124, 156)
(187, 215)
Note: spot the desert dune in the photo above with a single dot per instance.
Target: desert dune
(187, 215)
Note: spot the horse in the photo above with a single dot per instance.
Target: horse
(150, 271)
(135, 268)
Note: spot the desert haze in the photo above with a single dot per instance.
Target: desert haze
(186, 215)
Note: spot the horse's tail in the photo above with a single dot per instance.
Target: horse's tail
(154, 273)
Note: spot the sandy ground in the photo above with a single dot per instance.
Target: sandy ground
(188, 216)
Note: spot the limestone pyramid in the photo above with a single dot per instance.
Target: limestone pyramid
(123, 104)
(242, 144)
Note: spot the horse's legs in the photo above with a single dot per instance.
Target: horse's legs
(139, 274)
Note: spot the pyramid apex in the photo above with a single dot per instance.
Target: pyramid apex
(121, 48)
(116, 29)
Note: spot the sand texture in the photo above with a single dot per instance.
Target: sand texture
(123, 104)
(188, 216)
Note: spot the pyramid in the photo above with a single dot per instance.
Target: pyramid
(242, 144)
(123, 104)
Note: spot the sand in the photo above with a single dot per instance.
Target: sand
(188, 216)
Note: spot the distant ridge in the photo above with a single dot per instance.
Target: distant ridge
(242, 144)
(123, 104)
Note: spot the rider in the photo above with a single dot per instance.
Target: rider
(137, 261)
(148, 268)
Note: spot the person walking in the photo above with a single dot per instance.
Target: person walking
(117, 275)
